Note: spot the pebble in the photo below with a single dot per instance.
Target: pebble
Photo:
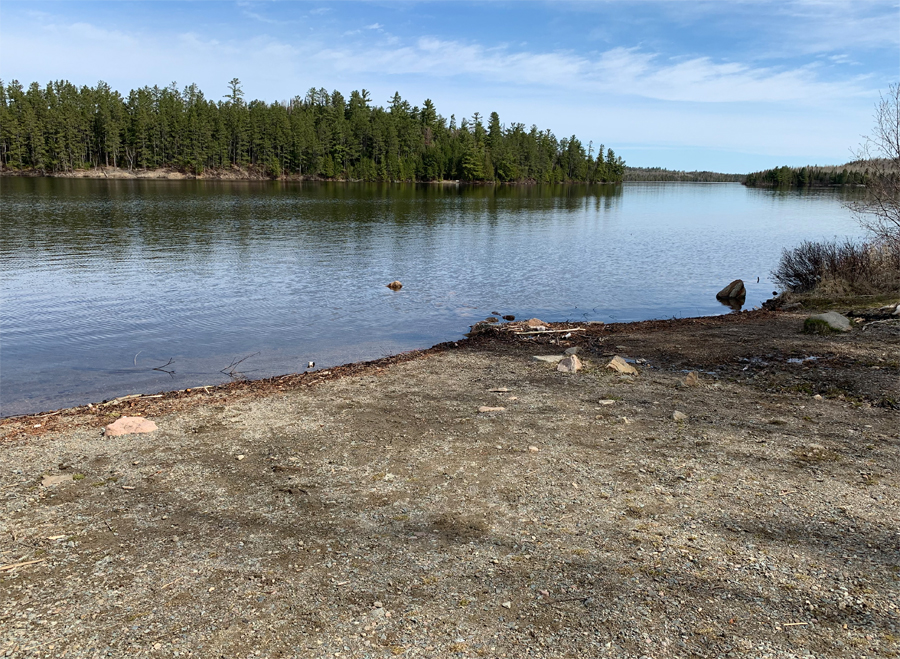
(241, 457)
(679, 416)
(506, 605)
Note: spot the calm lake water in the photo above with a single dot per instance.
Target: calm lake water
(104, 280)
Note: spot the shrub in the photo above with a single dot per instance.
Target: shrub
(840, 268)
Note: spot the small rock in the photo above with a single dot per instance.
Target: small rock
(574, 350)
(499, 390)
(533, 449)
(679, 416)
(485, 409)
(733, 291)
(47, 481)
(606, 401)
(506, 605)
(691, 379)
(550, 359)
(492, 319)
(129, 425)
(621, 366)
(570, 364)
(835, 321)
(818, 397)
(378, 605)
(509, 317)
(241, 457)
(536, 322)
(395, 285)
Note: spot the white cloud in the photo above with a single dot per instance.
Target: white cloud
(621, 71)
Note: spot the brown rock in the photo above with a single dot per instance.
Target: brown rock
(395, 285)
(129, 425)
(570, 364)
(47, 481)
(621, 366)
(733, 291)
(691, 379)
(485, 409)
(679, 416)
(536, 322)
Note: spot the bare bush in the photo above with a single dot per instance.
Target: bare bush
(840, 268)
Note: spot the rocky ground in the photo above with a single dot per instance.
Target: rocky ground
(373, 511)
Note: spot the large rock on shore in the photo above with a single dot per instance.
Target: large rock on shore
(835, 321)
(734, 291)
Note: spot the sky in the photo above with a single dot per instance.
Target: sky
(725, 86)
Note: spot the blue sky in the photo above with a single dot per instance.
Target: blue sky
(727, 86)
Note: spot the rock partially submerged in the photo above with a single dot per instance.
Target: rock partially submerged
(129, 425)
(395, 285)
(734, 291)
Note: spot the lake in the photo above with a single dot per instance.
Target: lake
(105, 280)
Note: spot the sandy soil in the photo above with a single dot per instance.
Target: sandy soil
(373, 511)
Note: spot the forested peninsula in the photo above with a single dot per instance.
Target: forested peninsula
(854, 173)
(61, 129)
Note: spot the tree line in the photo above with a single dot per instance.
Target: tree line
(657, 174)
(801, 177)
(61, 127)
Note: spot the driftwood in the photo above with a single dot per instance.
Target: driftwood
(558, 331)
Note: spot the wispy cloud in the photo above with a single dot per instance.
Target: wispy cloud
(621, 71)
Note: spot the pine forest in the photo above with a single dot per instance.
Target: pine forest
(61, 127)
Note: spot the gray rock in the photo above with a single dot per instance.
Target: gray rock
(549, 359)
(679, 416)
(834, 320)
(733, 291)
(570, 364)
(574, 350)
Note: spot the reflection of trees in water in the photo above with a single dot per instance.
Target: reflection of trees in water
(83, 215)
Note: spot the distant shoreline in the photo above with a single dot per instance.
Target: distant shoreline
(171, 174)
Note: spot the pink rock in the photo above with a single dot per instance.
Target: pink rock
(129, 425)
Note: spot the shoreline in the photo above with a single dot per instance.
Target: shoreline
(152, 402)
(168, 401)
(173, 174)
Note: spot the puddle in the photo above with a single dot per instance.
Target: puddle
(800, 360)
